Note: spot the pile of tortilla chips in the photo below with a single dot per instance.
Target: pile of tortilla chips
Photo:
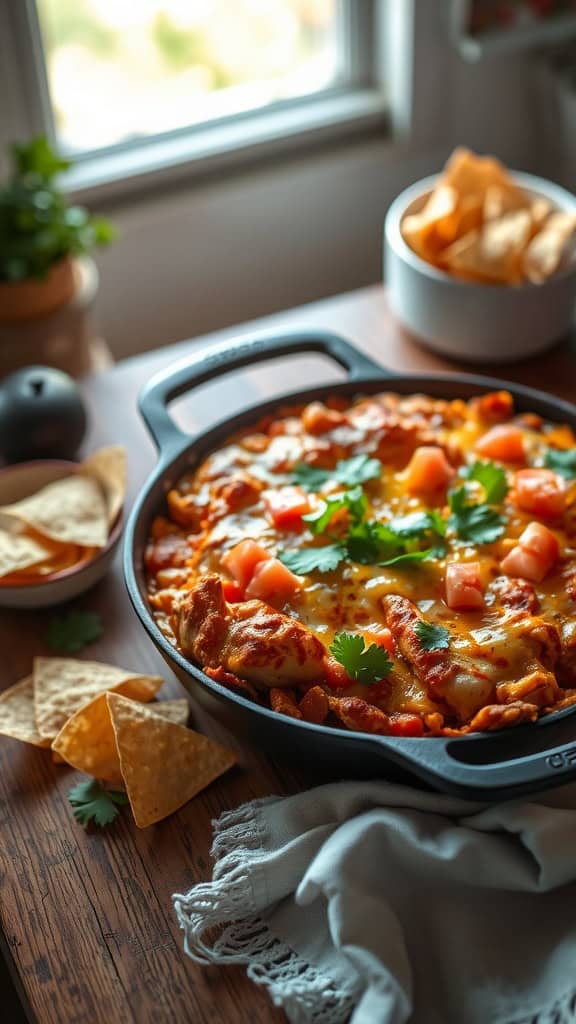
(65, 523)
(98, 719)
(480, 226)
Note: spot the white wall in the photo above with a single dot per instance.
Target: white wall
(221, 252)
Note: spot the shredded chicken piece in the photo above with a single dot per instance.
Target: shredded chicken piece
(538, 687)
(249, 639)
(447, 676)
(500, 716)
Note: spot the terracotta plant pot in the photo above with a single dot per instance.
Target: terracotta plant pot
(26, 300)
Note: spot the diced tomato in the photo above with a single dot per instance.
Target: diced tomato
(541, 541)
(504, 442)
(534, 555)
(242, 559)
(406, 725)
(287, 505)
(272, 580)
(540, 492)
(232, 591)
(428, 471)
(335, 674)
(464, 586)
(318, 419)
(383, 638)
(523, 563)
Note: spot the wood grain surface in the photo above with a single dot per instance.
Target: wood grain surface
(87, 916)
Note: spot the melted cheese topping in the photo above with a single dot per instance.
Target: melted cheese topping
(224, 501)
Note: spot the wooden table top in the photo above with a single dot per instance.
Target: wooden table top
(87, 918)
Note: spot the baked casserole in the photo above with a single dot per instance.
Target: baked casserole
(395, 565)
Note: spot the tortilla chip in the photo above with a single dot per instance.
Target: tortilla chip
(499, 200)
(17, 718)
(547, 249)
(19, 552)
(108, 467)
(62, 685)
(87, 740)
(469, 173)
(493, 253)
(71, 510)
(164, 765)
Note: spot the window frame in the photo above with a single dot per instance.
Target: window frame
(378, 96)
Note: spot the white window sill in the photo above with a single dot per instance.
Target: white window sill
(210, 148)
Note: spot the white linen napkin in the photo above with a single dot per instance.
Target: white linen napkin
(380, 904)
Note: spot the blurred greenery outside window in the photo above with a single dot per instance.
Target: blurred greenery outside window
(121, 71)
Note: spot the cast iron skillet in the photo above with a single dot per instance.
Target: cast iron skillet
(483, 767)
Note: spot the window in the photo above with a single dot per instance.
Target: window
(131, 87)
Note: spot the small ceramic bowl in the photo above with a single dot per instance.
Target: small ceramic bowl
(476, 322)
(17, 482)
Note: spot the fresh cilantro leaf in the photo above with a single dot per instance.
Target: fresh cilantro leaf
(365, 664)
(350, 472)
(310, 477)
(92, 803)
(562, 462)
(354, 502)
(357, 470)
(432, 638)
(307, 560)
(411, 557)
(73, 631)
(479, 524)
(369, 541)
(491, 477)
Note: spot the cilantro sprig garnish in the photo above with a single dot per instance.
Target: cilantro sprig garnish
(92, 803)
(350, 472)
(432, 637)
(491, 477)
(73, 631)
(478, 523)
(355, 503)
(562, 462)
(369, 542)
(304, 561)
(364, 664)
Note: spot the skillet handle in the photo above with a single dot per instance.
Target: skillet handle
(199, 367)
(434, 761)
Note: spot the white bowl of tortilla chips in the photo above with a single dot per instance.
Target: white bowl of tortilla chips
(480, 261)
(60, 524)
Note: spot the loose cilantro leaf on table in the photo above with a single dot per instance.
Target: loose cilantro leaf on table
(491, 477)
(478, 523)
(307, 560)
(73, 631)
(365, 664)
(350, 472)
(92, 803)
(562, 462)
(353, 501)
(432, 638)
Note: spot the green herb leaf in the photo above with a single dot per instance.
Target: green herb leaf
(73, 631)
(562, 462)
(491, 477)
(365, 664)
(307, 560)
(92, 803)
(354, 502)
(350, 472)
(412, 557)
(432, 638)
(479, 523)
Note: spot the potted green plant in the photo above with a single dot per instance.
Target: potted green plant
(40, 234)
